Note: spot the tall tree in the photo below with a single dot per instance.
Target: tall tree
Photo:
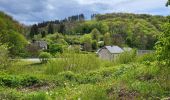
(168, 3)
(50, 29)
(62, 28)
(95, 34)
(163, 44)
(34, 30)
(107, 39)
(86, 40)
(43, 34)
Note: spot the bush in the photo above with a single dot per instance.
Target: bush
(17, 81)
(44, 57)
(29, 81)
(126, 57)
(4, 58)
(146, 58)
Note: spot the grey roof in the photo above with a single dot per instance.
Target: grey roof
(114, 49)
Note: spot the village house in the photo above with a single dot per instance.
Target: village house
(35, 46)
(42, 45)
(109, 52)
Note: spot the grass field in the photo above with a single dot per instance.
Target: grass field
(70, 79)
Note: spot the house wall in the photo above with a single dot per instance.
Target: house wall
(105, 54)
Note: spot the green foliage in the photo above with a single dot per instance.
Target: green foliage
(168, 3)
(107, 39)
(73, 62)
(94, 45)
(94, 93)
(18, 81)
(15, 41)
(163, 45)
(95, 34)
(146, 58)
(4, 57)
(50, 29)
(10, 34)
(126, 57)
(55, 48)
(38, 96)
(44, 57)
(34, 31)
(86, 40)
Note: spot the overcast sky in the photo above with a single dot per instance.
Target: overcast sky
(33, 11)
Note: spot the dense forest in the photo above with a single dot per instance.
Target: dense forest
(123, 29)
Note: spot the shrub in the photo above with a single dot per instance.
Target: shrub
(10, 81)
(17, 81)
(146, 58)
(4, 58)
(126, 57)
(29, 81)
(44, 57)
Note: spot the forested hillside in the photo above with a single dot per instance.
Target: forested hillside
(123, 29)
(11, 34)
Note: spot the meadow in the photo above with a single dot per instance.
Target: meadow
(74, 76)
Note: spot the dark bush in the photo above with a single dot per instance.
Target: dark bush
(17, 81)
(29, 81)
(10, 81)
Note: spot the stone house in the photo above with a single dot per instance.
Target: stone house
(42, 45)
(109, 52)
(35, 46)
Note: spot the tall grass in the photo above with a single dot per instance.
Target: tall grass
(73, 62)
(125, 57)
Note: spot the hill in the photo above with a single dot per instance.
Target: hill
(125, 29)
(11, 34)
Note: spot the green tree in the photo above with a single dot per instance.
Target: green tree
(34, 31)
(44, 57)
(107, 39)
(168, 3)
(4, 57)
(95, 34)
(163, 45)
(55, 48)
(86, 40)
(15, 41)
(50, 29)
(62, 28)
(94, 45)
(43, 34)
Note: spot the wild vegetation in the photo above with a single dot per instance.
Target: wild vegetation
(69, 68)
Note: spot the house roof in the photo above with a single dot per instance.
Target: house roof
(114, 49)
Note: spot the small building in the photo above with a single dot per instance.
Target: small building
(109, 52)
(35, 46)
(42, 45)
